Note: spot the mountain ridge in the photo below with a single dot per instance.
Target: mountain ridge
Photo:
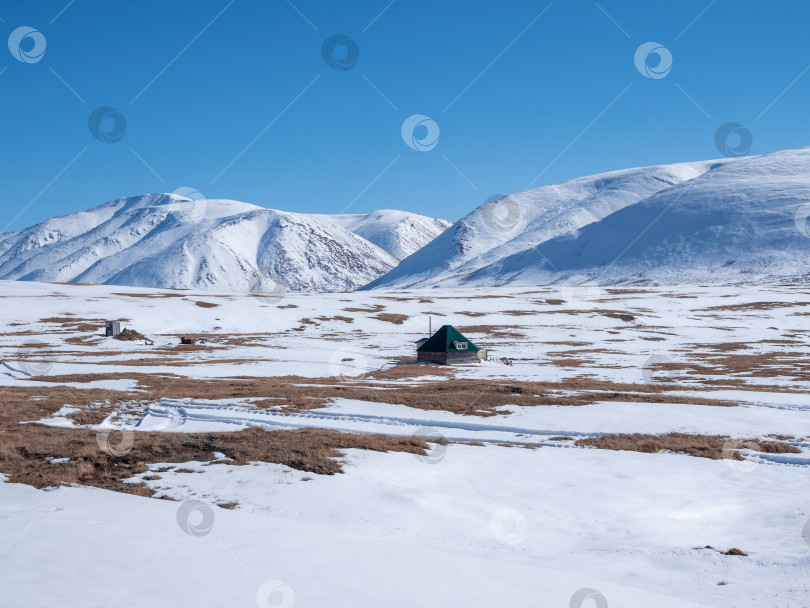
(647, 225)
(168, 240)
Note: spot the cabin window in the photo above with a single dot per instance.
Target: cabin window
(460, 345)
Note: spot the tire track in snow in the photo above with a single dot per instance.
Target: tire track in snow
(357, 423)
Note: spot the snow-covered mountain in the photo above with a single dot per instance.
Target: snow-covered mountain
(400, 233)
(724, 221)
(166, 240)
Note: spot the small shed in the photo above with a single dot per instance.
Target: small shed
(112, 328)
(448, 345)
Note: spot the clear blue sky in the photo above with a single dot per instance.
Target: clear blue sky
(518, 99)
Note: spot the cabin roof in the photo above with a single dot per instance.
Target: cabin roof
(442, 341)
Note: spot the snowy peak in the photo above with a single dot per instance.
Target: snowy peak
(725, 221)
(166, 240)
(400, 233)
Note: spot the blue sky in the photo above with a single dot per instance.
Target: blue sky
(235, 99)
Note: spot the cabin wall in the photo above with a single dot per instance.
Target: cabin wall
(462, 357)
(432, 357)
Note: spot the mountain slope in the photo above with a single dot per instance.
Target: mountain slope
(165, 240)
(400, 233)
(509, 225)
(718, 221)
(735, 224)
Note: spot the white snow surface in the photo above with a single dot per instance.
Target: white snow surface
(400, 233)
(720, 222)
(470, 525)
(166, 240)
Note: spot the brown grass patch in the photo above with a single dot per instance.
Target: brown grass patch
(703, 446)
(723, 347)
(150, 295)
(462, 396)
(732, 551)
(622, 316)
(83, 340)
(25, 448)
(779, 364)
(568, 362)
(496, 331)
(755, 306)
(371, 309)
(206, 304)
(390, 317)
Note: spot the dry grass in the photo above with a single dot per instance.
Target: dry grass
(780, 364)
(371, 309)
(754, 306)
(206, 304)
(391, 317)
(150, 295)
(462, 396)
(732, 551)
(704, 446)
(24, 450)
(501, 332)
(622, 316)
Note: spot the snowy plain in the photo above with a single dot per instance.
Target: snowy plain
(472, 524)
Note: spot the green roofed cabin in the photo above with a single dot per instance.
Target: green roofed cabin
(448, 345)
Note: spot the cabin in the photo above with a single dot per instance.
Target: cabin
(448, 346)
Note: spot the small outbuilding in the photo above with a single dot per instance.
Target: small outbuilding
(112, 328)
(448, 345)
